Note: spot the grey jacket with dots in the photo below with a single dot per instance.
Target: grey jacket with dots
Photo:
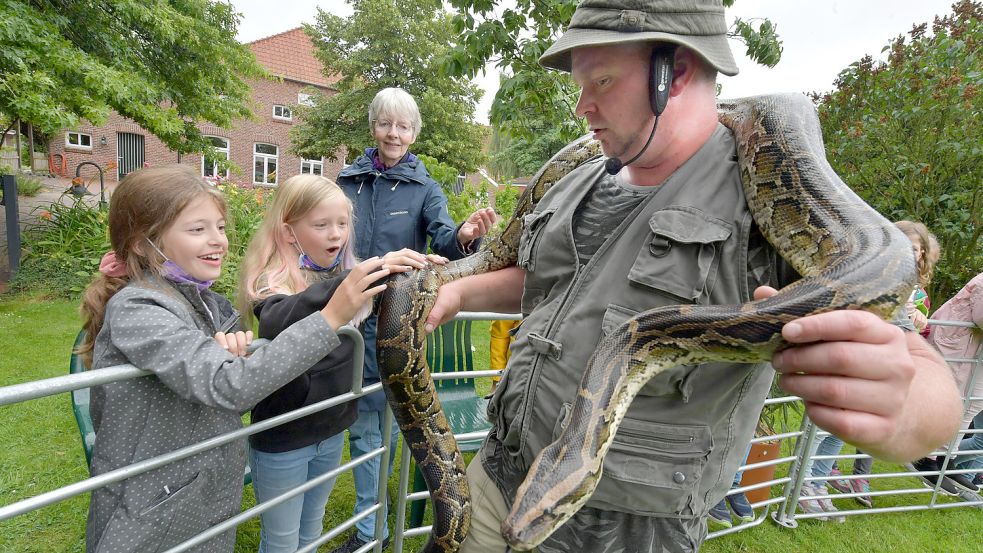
(197, 391)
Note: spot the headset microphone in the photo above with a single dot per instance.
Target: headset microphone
(660, 81)
(614, 165)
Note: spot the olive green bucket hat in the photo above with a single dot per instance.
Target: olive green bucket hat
(696, 24)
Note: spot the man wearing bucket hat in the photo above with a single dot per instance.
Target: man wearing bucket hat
(662, 221)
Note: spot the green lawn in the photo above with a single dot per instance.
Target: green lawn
(43, 452)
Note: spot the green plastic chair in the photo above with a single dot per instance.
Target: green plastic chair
(80, 403)
(83, 416)
(449, 350)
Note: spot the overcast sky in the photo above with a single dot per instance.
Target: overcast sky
(820, 37)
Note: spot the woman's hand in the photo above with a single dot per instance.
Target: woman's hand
(477, 225)
(235, 342)
(355, 291)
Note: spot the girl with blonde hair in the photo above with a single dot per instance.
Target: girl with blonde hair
(151, 307)
(297, 261)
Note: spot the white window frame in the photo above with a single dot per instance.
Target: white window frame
(266, 158)
(310, 165)
(283, 109)
(220, 151)
(78, 138)
(305, 99)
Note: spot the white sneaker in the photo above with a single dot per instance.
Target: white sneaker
(808, 505)
(824, 501)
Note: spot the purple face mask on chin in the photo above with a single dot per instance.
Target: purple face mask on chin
(174, 273)
(306, 262)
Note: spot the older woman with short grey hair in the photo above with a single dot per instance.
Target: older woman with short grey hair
(397, 205)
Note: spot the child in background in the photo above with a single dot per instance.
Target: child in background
(925, 248)
(719, 517)
(814, 494)
(958, 342)
(151, 307)
(927, 252)
(298, 259)
(500, 339)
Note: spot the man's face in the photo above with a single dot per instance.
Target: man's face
(614, 95)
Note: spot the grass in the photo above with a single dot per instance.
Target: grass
(43, 453)
(28, 185)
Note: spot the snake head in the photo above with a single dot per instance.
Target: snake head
(542, 504)
(527, 537)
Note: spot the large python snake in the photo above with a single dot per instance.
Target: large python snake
(849, 256)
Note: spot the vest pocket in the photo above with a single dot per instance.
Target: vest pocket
(655, 468)
(668, 382)
(680, 257)
(615, 316)
(533, 226)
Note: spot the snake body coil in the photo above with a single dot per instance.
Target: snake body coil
(848, 255)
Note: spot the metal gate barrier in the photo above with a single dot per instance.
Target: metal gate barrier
(783, 507)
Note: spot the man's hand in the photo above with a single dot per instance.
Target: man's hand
(869, 382)
(448, 303)
(477, 225)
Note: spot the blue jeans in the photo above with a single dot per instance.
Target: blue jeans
(974, 441)
(829, 445)
(740, 473)
(299, 520)
(364, 436)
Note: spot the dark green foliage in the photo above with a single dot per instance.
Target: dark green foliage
(28, 185)
(165, 64)
(459, 205)
(523, 155)
(390, 43)
(245, 213)
(64, 247)
(906, 135)
(506, 200)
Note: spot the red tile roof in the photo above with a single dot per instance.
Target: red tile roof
(290, 55)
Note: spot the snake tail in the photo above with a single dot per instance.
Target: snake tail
(407, 383)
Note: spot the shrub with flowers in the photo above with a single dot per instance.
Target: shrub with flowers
(245, 213)
(65, 244)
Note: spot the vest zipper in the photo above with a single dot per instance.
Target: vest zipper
(575, 284)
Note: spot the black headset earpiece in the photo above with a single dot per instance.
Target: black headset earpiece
(660, 77)
(660, 81)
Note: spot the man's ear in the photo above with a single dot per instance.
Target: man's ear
(685, 67)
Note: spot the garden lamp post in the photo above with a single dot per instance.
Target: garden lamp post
(79, 189)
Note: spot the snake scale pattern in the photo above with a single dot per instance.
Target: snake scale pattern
(849, 256)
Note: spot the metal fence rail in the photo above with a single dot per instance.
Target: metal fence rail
(784, 506)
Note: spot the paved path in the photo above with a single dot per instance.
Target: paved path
(29, 207)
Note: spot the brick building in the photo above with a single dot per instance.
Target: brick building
(259, 147)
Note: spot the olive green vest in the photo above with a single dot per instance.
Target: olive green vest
(685, 434)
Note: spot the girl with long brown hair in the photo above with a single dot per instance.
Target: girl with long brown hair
(151, 307)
